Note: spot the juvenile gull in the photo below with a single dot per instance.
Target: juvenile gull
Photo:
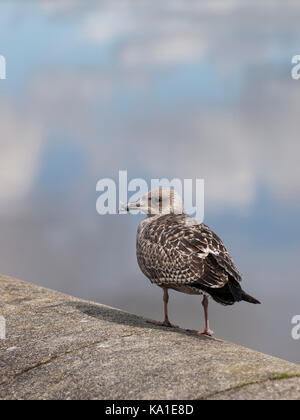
(176, 252)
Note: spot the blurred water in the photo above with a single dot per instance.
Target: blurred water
(162, 89)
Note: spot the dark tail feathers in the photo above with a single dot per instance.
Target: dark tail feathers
(249, 298)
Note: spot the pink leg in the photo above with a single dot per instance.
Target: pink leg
(166, 301)
(207, 330)
(166, 322)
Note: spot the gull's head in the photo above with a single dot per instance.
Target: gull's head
(158, 202)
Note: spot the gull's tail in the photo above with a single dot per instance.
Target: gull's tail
(249, 298)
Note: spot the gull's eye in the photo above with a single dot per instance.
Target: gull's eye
(160, 199)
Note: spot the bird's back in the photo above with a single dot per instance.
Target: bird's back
(176, 251)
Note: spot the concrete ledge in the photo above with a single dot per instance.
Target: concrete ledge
(60, 347)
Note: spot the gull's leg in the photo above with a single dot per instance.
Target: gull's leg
(207, 330)
(166, 301)
(166, 322)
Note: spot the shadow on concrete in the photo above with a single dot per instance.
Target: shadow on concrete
(118, 316)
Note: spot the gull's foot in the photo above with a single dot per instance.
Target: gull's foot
(163, 324)
(209, 333)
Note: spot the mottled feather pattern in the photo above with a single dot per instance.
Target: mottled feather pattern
(177, 252)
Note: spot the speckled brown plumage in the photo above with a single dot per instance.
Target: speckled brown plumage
(177, 252)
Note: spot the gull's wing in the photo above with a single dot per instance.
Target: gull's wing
(175, 249)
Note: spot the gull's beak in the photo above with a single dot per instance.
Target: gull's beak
(124, 208)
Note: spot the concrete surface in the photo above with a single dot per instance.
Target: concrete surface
(60, 347)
